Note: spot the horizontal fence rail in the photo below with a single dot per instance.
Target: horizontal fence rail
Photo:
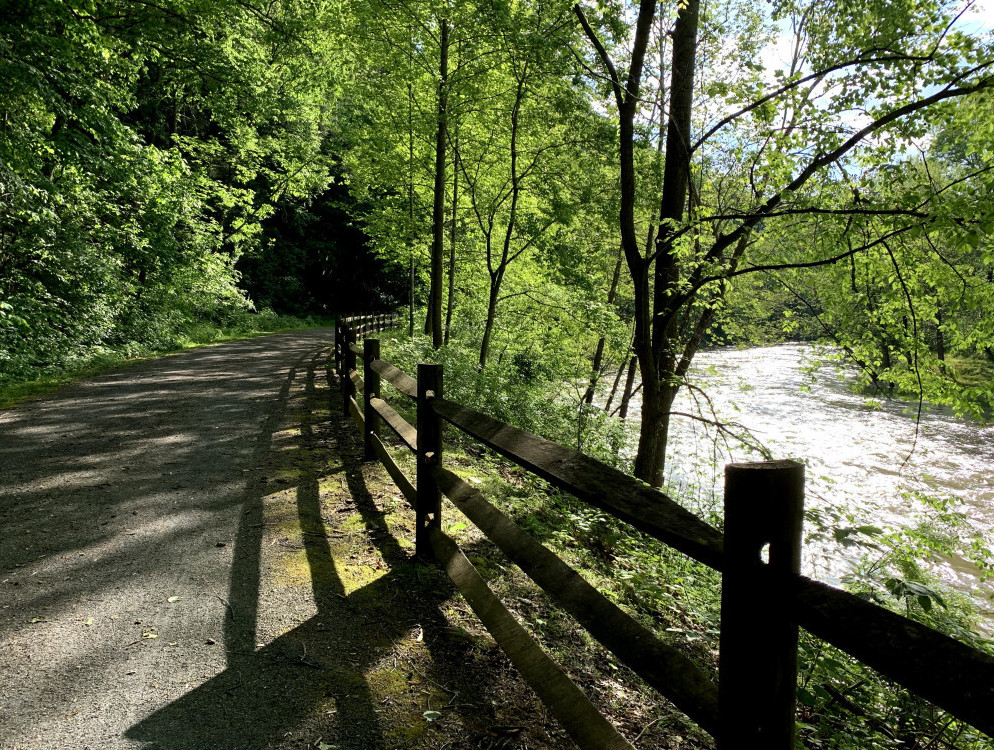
(762, 603)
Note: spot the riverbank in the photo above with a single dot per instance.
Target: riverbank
(680, 600)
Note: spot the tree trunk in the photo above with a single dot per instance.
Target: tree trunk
(658, 356)
(410, 180)
(433, 318)
(617, 380)
(452, 240)
(940, 341)
(626, 396)
(655, 360)
(595, 368)
(595, 371)
(650, 460)
(488, 327)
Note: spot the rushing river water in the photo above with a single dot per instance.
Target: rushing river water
(861, 450)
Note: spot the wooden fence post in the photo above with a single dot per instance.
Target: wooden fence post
(338, 345)
(757, 669)
(428, 508)
(348, 365)
(370, 390)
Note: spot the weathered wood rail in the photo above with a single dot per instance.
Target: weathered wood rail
(762, 605)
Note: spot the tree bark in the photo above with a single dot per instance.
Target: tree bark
(626, 396)
(410, 181)
(488, 327)
(940, 341)
(617, 380)
(598, 361)
(433, 317)
(452, 240)
(658, 356)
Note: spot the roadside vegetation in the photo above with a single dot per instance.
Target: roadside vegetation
(842, 703)
(568, 200)
(34, 376)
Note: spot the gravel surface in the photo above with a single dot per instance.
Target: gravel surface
(194, 556)
(130, 560)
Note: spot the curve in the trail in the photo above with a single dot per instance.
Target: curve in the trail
(123, 504)
(193, 556)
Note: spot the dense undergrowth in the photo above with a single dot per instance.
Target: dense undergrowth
(842, 703)
(29, 371)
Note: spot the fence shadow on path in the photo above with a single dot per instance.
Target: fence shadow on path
(119, 498)
(312, 681)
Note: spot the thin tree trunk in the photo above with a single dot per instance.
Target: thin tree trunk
(940, 341)
(659, 389)
(626, 396)
(433, 318)
(617, 380)
(410, 180)
(595, 369)
(626, 94)
(488, 327)
(452, 239)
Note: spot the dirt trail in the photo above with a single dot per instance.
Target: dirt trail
(193, 557)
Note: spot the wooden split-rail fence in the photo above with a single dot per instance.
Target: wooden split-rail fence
(762, 603)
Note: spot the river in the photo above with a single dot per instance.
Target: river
(862, 450)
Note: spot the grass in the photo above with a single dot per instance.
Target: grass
(50, 378)
(679, 600)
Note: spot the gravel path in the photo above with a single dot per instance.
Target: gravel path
(130, 564)
(193, 556)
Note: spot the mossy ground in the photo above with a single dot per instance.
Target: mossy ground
(393, 656)
(338, 545)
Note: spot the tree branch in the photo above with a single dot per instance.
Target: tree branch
(603, 55)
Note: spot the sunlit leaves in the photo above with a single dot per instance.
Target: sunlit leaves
(142, 147)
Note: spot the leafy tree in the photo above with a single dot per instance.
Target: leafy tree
(142, 146)
(517, 158)
(911, 309)
(855, 91)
